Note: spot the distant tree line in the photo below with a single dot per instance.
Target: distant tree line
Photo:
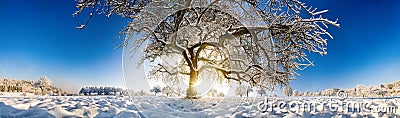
(5, 88)
(87, 91)
(383, 90)
(40, 87)
(167, 90)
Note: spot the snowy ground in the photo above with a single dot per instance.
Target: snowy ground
(150, 106)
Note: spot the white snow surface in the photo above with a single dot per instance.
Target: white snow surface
(152, 106)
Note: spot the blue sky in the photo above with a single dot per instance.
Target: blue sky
(38, 37)
(365, 49)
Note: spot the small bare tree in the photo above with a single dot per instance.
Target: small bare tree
(261, 92)
(261, 43)
(212, 93)
(167, 90)
(248, 90)
(155, 90)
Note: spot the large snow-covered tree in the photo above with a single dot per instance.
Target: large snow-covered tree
(259, 42)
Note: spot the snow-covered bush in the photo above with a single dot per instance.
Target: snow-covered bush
(168, 91)
(288, 91)
(361, 90)
(43, 82)
(141, 93)
(212, 93)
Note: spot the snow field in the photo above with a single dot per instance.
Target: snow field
(235, 107)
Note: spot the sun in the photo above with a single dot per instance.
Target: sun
(209, 77)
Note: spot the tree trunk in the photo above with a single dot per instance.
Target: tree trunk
(191, 92)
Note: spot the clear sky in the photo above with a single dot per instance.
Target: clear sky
(365, 49)
(38, 37)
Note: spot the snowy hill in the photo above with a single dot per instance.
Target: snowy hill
(173, 107)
